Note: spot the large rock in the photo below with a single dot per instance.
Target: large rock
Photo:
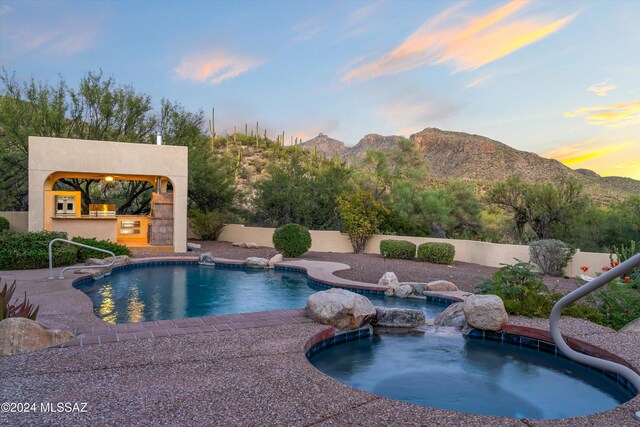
(256, 262)
(632, 327)
(192, 246)
(275, 260)
(206, 258)
(389, 280)
(251, 245)
(340, 308)
(403, 291)
(451, 316)
(123, 259)
(96, 261)
(399, 317)
(485, 312)
(440, 285)
(21, 335)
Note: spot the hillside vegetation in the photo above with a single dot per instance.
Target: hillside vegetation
(436, 183)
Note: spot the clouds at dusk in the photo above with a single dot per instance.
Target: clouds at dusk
(603, 155)
(602, 88)
(612, 115)
(214, 67)
(461, 41)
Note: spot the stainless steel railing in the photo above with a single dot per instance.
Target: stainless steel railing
(554, 318)
(113, 260)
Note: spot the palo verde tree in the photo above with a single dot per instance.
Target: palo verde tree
(99, 109)
(542, 206)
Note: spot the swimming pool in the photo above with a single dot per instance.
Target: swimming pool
(442, 369)
(145, 293)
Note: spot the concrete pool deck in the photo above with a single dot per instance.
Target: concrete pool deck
(251, 375)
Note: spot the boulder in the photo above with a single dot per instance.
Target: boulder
(399, 317)
(418, 287)
(192, 246)
(21, 335)
(123, 259)
(255, 262)
(632, 327)
(340, 308)
(451, 316)
(251, 245)
(96, 261)
(485, 312)
(275, 259)
(440, 285)
(206, 258)
(403, 291)
(389, 280)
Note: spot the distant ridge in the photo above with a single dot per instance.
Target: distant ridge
(460, 155)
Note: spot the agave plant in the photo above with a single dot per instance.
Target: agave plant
(8, 309)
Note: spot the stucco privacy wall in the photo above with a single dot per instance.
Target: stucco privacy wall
(483, 253)
(18, 221)
(49, 155)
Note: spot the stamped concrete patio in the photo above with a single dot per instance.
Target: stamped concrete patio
(245, 369)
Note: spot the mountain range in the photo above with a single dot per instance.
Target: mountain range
(459, 155)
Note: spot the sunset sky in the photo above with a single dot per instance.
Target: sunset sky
(561, 79)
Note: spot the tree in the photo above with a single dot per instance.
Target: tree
(301, 192)
(361, 216)
(99, 109)
(542, 205)
(211, 177)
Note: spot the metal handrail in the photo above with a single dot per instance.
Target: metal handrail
(113, 261)
(554, 318)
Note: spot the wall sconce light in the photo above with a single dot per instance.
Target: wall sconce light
(108, 178)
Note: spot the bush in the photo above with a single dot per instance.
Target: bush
(361, 215)
(84, 253)
(551, 256)
(292, 240)
(618, 303)
(208, 225)
(25, 251)
(437, 253)
(4, 224)
(524, 294)
(400, 249)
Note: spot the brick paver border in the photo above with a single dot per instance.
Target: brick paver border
(193, 325)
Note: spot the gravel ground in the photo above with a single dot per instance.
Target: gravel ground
(369, 267)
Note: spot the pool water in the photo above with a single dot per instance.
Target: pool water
(178, 291)
(442, 369)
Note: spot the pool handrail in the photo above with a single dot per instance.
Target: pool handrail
(113, 260)
(619, 271)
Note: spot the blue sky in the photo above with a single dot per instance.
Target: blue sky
(560, 78)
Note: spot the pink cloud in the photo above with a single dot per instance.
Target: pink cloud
(214, 67)
(462, 42)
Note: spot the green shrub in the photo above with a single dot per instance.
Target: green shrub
(361, 215)
(292, 240)
(208, 225)
(84, 253)
(551, 256)
(524, 294)
(400, 249)
(437, 253)
(4, 223)
(25, 251)
(618, 303)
